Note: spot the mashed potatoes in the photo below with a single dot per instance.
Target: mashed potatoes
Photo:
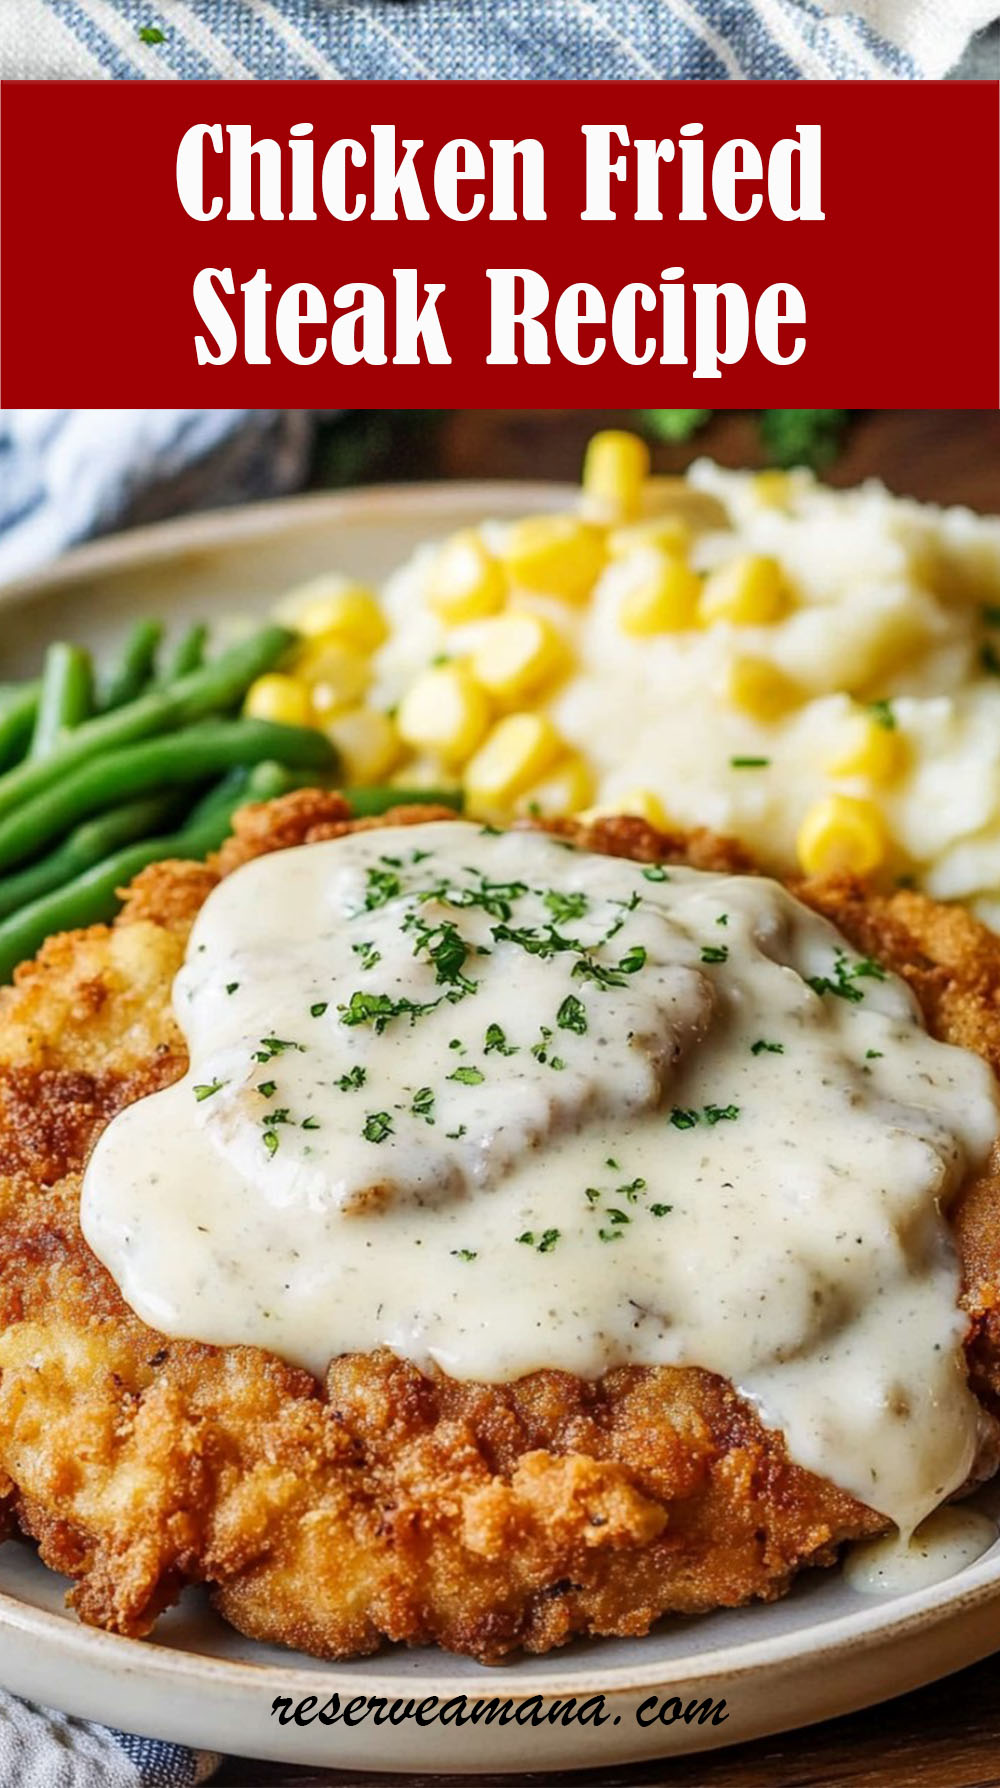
(816, 672)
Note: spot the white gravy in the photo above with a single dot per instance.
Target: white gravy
(947, 1542)
(499, 1104)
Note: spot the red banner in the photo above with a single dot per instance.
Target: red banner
(440, 244)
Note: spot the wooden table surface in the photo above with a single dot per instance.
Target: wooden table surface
(940, 456)
(947, 1735)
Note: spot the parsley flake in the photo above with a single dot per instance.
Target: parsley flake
(206, 1090)
(377, 1126)
(572, 1015)
(468, 1076)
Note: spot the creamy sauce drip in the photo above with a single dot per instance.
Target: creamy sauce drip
(498, 1104)
(946, 1543)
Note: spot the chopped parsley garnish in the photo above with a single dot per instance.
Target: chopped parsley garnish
(610, 1235)
(318, 1009)
(377, 1126)
(661, 1210)
(749, 763)
(572, 1015)
(718, 1114)
(543, 1244)
(368, 955)
(271, 1141)
(683, 1120)
(873, 1055)
(565, 906)
(151, 34)
(655, 872)
(618, 1216)
(267, 1088)
(232, 986)
(496, 1041)
(276, 1117)
(846, 975)
(456, 1135)
(445, 947)
(378, 1010)
(722, 919)
(209, 1087)
(311, 1123)
(272, 1046)
(423, 1104)
(631, 1191)
(353, 1080)
(633, 960)
(715, 953)
(468, 1076)
(763, 1047)
(382, 886)
(883, 715)
(464, 1253)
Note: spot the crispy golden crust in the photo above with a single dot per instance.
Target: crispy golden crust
(382, 1504)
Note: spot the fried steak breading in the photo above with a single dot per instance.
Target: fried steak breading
(383, 1503)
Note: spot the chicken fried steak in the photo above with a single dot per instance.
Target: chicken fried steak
(385, 1501)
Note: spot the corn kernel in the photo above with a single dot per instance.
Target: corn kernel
(637, 803)
(367, 742)
(336, 674)
(445, 712)
(614, 467)
(278, 697)
(670, 534)
(555, 554)
(337, 605)
(516, 753)
(517, 653)
(465, 582)
(842, 834)
(870, 749)
(567, 788)
(772, 489)
(760, 689)
(749, 591)
(664, 602)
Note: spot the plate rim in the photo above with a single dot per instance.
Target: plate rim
(215, 529)
(863, 1629)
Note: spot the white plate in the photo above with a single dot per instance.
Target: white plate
(825, 1650)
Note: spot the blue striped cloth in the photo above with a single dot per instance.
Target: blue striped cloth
(486, 39)
(66, 475)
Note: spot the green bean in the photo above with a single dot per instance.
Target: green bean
(67, 696)
(138, 661)
(93, 896)
(366, 802)
(189, 652)
(191, 755)
(88, 844)
(17, 723)
(216, 687)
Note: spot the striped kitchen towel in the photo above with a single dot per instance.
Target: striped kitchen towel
(486, 39)
(43, 1749)
(66, 475)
